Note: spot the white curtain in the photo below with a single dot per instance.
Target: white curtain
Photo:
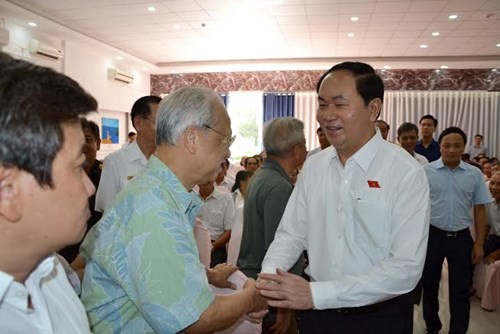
(475, 112)
(306, 104)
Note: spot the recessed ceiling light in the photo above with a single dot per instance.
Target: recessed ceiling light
(354, 19)
(118, 58)
(437, 70)
(424, 46)
(33, 24)
(151, 9)
(453, 16)
(498, 45)
(387, 67)
(494, 70)
(351, 34)
(444, 67)
(435, 33)
(177, 27)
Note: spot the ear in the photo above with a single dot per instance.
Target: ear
(98, 144)
(375, 107)
(191, 138)
(10, 208)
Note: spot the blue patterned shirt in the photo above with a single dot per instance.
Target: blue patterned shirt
(143, 272)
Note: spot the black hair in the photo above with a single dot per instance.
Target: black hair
(142, 107)
(406, 127)
(478, 135)
(368, 84)
(131, 133)
(435, 121)
(35, 102)
(94, 128)
(450, 130)
(242, 175)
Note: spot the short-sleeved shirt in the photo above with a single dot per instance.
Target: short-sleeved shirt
(453, 193)
(143, 272)
(432, 153)
(217, 213)
(118, 169)
(494, 217)
(56, 307)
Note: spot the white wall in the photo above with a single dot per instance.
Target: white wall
(86, 61)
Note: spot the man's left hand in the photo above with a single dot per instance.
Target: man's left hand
(218, 275)
(286, 290)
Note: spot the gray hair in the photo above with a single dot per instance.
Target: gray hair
(282, 134)
(188, 106)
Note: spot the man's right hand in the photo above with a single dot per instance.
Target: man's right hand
(259, 302)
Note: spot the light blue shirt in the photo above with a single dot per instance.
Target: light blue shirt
(453, 193)
(143, 272)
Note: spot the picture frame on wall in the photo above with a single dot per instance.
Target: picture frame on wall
(110, 131)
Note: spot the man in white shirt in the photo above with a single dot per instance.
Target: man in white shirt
(44, 195)
(217, 213)
(121, 166)
(408, 138)
(361, 210)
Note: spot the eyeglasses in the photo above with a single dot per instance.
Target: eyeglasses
(227, 139)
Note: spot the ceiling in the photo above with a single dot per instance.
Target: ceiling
(182, 33)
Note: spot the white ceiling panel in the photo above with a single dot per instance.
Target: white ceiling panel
(186, 30)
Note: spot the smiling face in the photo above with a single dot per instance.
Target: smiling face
(452, 147)
(408, 141)
(347, 122)
(215, 143)
(495, 186)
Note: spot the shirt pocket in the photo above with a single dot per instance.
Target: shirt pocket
(372, 225)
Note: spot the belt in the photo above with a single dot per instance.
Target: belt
(368, 308)
(449, 234)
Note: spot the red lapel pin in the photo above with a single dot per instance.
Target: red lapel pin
(373, 184)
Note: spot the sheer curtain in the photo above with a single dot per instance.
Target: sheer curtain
(472, 111)
(306, 104)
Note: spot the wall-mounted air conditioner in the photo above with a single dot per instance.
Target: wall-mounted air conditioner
(39, 48)
(4, 37)
(119, 75)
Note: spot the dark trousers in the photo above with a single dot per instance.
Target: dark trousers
(394, 316)
(491, 244)
(218, 256)
(457, 249)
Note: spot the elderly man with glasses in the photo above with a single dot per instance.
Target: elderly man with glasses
(143, 272)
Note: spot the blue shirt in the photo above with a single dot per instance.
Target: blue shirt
(453, 193)
(143, 272)
(432, 153)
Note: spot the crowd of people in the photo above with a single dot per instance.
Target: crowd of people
(342, 239)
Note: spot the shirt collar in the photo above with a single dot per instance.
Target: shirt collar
(215, 194)
(188, 201)
(135, 152)
(365, 155)
(5, 282)
(439, 164)
(273, 164)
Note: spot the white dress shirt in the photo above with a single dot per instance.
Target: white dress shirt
(119, 168)
(56, 307)
(365, 226)
(217, 213)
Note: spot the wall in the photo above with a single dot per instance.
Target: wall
(449, 79)
(87, 62)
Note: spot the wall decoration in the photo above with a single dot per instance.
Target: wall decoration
(110, 130)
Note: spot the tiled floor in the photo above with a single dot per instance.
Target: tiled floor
(481, 321)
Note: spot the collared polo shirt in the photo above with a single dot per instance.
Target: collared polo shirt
(217, 213)
(432, 153)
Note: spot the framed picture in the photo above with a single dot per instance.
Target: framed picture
(110, 130)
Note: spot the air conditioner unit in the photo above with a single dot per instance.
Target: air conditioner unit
(4, 37)
(119, 75)
(39, 48)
